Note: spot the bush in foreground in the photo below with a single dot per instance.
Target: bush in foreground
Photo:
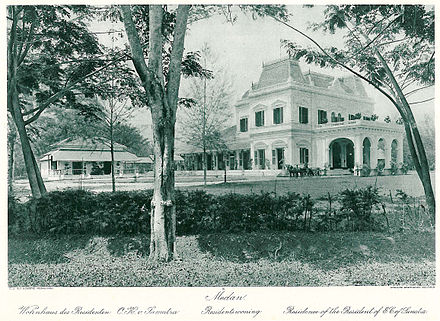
(128, 213)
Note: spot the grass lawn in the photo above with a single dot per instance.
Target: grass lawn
(253, 259)
(319, 186)
(315, 186)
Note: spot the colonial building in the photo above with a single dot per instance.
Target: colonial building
(296, 118)
(85, 157)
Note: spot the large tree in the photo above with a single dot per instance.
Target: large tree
(157, 49)
(51, 55)
(162, 94)
(204, 120)
(392, 48)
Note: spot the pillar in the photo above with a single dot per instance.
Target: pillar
(400, 151)
(373, 153)
(237, 158)
(388, 156)
(358, 152)
(252, 157)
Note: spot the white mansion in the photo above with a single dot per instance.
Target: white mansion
(296, 118)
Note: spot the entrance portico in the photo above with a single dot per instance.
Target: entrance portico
(341, 153)
(357, 144)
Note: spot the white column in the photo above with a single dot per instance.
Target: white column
(237, 159)
(388, 155)
(326, 156)
(373, 152)
(358, 150)
(252, 157)
(400, 151)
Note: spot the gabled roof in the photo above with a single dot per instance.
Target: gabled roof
(87, 144)
(88, 156)
(97, 150)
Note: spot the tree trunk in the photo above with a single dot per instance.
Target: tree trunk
(162, 101)
(35, 180)
(204, 164)
(163, 209)
(112, 153)
(204, 127)
(423, 171)
(11, 161)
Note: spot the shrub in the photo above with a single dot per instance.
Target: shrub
(394, 168)
(380, 166)
(128, 213)
(366, 170)
(357, 205)
(404, 168)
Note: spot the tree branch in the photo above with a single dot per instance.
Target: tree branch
(135, 45)
(421, 101)
(28, 45)
(176, 55)
(338, 62)
(416, 90)
(62, 92)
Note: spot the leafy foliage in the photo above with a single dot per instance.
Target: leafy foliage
(128, 213)
(358, 206)
(404, 33)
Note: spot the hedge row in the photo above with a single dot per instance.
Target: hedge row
(128, 213)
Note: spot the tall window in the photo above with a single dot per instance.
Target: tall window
(303, 115)
(259, 118)
(303, 155)
(244, 125)
(278, 115)
(260, 158)
(322, 116)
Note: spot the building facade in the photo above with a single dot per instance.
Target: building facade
(293, 118)
(70, 158)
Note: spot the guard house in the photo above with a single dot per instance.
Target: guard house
(87, 157)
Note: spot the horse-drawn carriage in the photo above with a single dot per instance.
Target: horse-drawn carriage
(296, 171)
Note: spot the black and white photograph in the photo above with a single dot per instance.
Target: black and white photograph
(219, 161)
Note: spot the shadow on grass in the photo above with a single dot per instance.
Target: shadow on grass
(120, 245)
(323, 250)
(33, 249)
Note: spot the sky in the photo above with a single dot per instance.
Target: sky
(242, 47)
